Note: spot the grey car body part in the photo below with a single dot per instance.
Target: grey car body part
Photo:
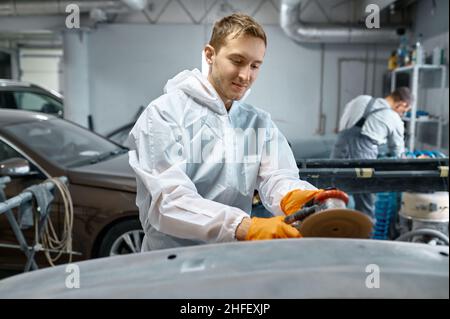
(285, 268)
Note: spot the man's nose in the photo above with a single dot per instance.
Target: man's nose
(245, 73)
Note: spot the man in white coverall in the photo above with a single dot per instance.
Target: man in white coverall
(199, 152)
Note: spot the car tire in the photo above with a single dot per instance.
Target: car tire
(123, 238)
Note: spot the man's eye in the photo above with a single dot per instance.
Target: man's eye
(255, 66)
(236, 61)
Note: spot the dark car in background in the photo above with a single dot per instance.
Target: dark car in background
(101, 183)
(25, 96)
(120, 134)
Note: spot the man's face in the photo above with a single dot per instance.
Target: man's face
(235, 67)
(401, 107)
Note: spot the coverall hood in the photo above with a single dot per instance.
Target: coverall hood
(197, 86)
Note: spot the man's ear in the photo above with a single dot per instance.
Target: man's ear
(209, 53)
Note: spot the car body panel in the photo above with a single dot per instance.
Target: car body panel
(285, 268)
(114, 173)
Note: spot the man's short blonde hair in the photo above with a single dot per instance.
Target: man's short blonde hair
(237, 24)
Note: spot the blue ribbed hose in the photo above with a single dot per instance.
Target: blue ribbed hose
(386, 208)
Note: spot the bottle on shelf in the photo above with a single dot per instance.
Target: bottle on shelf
(418, 57)
(402, 51)
(392, 62)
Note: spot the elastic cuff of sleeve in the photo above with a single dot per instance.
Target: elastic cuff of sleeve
(236, 223)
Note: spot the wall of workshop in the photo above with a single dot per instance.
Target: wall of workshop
(41, 66)
(128, 65)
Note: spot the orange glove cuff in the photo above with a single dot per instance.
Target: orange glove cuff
(294, 200)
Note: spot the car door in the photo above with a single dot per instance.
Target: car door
(10, 255)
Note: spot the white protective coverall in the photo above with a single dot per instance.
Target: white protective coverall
(197, 165)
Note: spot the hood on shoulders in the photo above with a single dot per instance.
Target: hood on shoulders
(196, 85)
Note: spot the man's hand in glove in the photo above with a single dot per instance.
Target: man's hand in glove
(296, 199)
(265, 228)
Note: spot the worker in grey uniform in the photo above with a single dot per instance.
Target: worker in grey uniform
(366, 124)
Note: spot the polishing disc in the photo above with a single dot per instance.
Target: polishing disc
(340, 223)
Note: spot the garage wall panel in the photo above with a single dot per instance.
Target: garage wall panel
(130, 64)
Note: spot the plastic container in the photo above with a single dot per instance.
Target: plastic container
(419, 58)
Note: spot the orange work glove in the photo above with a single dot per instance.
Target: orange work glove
(294, 200)
(270, 228)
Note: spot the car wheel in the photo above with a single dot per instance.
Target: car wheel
(123, 238)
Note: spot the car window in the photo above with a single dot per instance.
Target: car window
(7, 152)
(7, 100)
(31, 101)
(62, 142)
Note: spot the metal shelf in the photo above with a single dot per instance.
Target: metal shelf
(425, 67)
(414, 86)
(423, 120)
